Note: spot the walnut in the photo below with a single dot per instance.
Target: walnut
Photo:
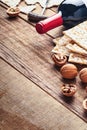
(69, 89)
(83, 75)
(59, 59)
(13, 11)
(69, 71)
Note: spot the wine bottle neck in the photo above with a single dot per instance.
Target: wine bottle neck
(50, 23)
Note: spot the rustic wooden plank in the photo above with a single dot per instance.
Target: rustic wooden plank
(24, 106)
(29, 53)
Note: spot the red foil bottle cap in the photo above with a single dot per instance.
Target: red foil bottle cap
(49, 23)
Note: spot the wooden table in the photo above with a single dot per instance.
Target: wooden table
(30, 94)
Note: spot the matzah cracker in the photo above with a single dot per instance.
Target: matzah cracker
(61, 50)
(62, 40)
(27, 9)
(76, 58)
(77, 49)
(56, 40)
(78, 34)
(61, 45)
(51, 3)
(11, 3)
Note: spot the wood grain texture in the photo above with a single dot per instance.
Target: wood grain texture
(24, 106)
(29, 53)
(49, 12)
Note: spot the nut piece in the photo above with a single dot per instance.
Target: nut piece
(13, 11)
(85, 104)
(69, 71)
(59, 59)
(69, 89)
(83, 75)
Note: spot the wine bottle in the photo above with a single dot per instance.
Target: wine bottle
(70, 13)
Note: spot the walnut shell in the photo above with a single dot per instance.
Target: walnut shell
(13, 11)
(83, 75)
(69, 71)
(85, 104)
(69, 89)
(59, 59)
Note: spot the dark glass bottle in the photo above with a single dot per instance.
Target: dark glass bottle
(70, 13)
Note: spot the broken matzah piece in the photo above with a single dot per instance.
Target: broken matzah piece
(61, 43)
(56, 40)
(77, 49)
(11, 3)
(78, 34)
(42, 2)
(60, 50)
(76, 58)
(62, 40)
(27, 9)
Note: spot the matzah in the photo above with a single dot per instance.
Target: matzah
(11, 3)
(61, 45)
(62, 40)
(56, 40)
(51, 3)
(68, 47)
(78, 34)
(26, 9)
(77, 49)
(61, 50)
(76, 58)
